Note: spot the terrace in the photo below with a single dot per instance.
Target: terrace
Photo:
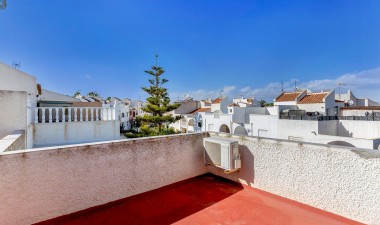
(164, 180)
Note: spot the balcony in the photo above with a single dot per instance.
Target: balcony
(164, 180)
(70, 125)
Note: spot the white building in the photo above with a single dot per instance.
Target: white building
(36, 117)
(18, 96)
(351, 100)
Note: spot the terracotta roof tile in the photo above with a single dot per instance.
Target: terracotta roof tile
(313, 98)
(288, 96)
(201, 110)
(218, 100)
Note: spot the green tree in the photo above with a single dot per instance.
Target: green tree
(77, 94)
(270, 104)
(158, 102)
(3, 4)
(93, 94)
(262, 103)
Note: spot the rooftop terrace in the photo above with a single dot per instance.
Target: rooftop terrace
(165, 180)
(205, 199)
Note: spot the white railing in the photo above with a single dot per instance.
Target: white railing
(73, 114)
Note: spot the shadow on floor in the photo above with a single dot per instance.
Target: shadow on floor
(165, 205)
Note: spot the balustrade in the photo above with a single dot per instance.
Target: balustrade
(73, 114)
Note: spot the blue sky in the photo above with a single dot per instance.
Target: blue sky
(241, 47)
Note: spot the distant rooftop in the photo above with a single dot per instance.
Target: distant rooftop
(288, 96)
(218, 100)
(313, 98)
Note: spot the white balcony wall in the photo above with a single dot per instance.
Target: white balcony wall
(71, 125)
(341, 180)
(41, 184)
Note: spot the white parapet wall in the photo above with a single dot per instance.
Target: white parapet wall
(341, 180)
(44, 183)
(51, 134)
(72, 125)
(40, 184)
(14, 141)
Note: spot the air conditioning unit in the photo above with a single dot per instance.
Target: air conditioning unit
(222, 153)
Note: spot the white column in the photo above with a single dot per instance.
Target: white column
(96, 114)
(75, 114)
(91, 114)
(63, 115)
(43, 114)
(36, 115)
(50, 115)
(56, 115)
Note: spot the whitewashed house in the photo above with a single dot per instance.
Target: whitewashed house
(37, 117)
(18, 96)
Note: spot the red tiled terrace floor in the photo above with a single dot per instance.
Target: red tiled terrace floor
(203, 200)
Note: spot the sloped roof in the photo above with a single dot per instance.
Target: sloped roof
(218, 100)
(51, 96)
(313, 98)
(288, 97)
(201, 110)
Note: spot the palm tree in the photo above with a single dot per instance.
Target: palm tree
(93, 94)
(77, 94)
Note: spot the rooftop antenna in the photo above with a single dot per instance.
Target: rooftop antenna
(340, 84)
(295, 85)
(282, 86)
(220, 93)
(16, 65)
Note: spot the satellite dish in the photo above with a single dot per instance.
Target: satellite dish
(350, 102)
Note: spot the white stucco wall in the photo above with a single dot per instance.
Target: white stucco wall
(16, 80)
(13, 112)
(359, 129)
(318, 107)
(329, 127)
(40, 184)
(263, 125)
(322, 132)
(340, 180)
(50, 134)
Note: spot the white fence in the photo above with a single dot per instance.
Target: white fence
(73, 114)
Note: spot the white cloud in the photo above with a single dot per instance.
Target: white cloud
(365, 84)
(87, 76)
(203, 94)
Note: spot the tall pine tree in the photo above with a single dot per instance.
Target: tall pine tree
(158, 102)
